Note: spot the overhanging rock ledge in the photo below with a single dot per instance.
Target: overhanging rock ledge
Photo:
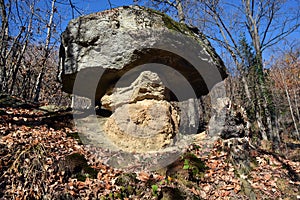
(101, 47)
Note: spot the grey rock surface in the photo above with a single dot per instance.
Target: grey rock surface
(149, 72)
(99, 48)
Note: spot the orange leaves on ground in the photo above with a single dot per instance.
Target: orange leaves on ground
(219, 180)
(41, 147)
(143, 176)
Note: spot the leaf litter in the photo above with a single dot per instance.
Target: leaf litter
(31, 152)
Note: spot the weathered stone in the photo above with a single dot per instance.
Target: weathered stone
(81, 103)
(147, 86)
(147, 125)
(148, 71)
(99, 48)
(219, 107)
(227, 120)
(189, 116)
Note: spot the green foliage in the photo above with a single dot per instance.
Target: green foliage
(126, 179)
(186, 164)
(194, 169)
(154, 190)
(193, 164)
(261, 100)
(247, 54)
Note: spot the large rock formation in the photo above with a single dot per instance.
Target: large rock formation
(101, 47)
(146, 69)
(147, 125)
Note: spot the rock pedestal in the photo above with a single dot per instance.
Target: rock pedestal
(146, 69)
(142, 120)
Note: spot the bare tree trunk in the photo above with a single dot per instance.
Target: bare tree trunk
(290, 104)
(21, 54)
(3, 46)
(38, 84)
(297, 106)
(253, 30)
(276, 131)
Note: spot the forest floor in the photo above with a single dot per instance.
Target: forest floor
(42, 158)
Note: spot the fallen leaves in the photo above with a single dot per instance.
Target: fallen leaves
(143, 176)
(30, 152)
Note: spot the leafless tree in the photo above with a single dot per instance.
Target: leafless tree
(285, 75)
(264, 23)
(167, 5)
(46, 52)
(28, 37)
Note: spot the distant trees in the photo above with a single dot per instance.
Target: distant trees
(243, 30)
(22, 28)
(28, 48)
(46, 49)
(285, 77)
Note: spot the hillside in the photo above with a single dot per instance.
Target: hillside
(42, 157)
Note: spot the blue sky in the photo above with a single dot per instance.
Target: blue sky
(90, 6)
(98, 5)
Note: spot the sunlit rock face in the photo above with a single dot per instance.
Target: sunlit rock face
(101, 47)
(145, 69)
(147, 125)
(147, 85)
(142, 120)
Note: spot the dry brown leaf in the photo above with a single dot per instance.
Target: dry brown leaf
(196, 192)
(228, 187)
(267, 177)
(206, 188)
(225, 193)
(203, 194)
(80, 185)
(237, 188)
(143, 176)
